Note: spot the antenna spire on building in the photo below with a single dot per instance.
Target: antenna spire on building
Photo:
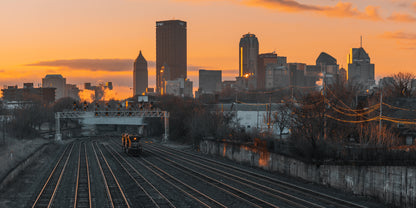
(361, 41)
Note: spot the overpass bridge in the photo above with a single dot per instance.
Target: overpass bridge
(111, 118)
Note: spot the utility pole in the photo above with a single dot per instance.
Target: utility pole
(4, 130)
(381, 112)
(166, 118)
(292, 93)
(257, 108)
(324, 94)
(269, 112)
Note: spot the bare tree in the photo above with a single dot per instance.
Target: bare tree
(371, 135)
(308, 126)
(400, 86)
(282, 118)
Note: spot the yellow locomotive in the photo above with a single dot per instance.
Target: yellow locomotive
(131, 144)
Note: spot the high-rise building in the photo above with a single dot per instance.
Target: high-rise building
(109, 85)
(276, 76)
(27, 85)
(28, 94)
(342, 75)
(282, 60)
(210, 81)
(386, 82)
(248, 54)
(327, 63)
(413, 85)
(72, 91)
(263, 60)
(328, 66)
(170, 50)
(297, 74)
(179, 87)
(87, 86)
(55, 81)
(140, 74)
(360, 68)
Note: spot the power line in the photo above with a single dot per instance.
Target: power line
(398, 108)
(353, 114)
(349, 121)
(394, 120)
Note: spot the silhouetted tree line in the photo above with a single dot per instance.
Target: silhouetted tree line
(339, 124)
(343, 127)
(27, 118)
(190, 121)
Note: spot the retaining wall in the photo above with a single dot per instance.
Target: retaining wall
(392, 185)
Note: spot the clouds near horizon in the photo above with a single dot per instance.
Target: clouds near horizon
(90, 64)
(400, 35)
(405, 40)
(340, 10)
(400, 17)
(111, 65)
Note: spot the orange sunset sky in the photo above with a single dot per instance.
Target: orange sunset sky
(97, 40)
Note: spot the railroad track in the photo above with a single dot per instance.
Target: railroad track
(148, 193)
(83, 185)
(115, 193)
(225, 185)
(48, 192)
(201, 199)
(249, 178)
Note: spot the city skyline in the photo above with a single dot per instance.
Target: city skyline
(85, 44)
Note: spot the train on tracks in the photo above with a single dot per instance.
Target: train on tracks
(131, 144)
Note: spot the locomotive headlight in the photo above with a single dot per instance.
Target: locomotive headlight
(134, 138)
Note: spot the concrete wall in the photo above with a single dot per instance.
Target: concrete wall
(393, 185)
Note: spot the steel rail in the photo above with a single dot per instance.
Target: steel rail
(83, 186)
(243, 196)
(47, 195)
(178, 181)
(324, 197)
(111, 183)
(251, 184)
(129, 169)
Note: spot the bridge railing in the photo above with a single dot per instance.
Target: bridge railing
(84, 114)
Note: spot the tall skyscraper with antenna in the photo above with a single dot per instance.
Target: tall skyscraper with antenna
(360, 69)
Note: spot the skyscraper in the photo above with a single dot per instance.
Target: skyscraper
(210, 81)
(170, 50)
(263, 60)
(360, 68)
(140, 75)
(55, 81)
(327, 64)
(248, 53)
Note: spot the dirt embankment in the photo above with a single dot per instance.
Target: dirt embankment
(16, 152)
